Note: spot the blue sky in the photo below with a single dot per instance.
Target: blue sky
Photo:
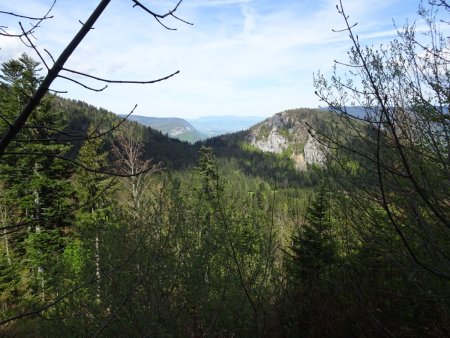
(241, 57)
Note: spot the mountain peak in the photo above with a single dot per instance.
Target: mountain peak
(288, 132)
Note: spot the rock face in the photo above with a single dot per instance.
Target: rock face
(288, 131)
(314, 152)
(274, 143)
(277, 133)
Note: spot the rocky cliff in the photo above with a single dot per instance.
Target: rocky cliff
(288, 132)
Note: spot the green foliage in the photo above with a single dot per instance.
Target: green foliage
(35, 184)
(264, 131)
(173, 127)
(9, 283)
(226, 241)
(314, 248)
(275, 168)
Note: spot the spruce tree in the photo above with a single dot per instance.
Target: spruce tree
(35, 181)
(310, 262)
(313, 247)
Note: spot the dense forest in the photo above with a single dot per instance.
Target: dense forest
(110, 228)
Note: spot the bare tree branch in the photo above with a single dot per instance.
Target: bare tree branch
(403, 139)
(83, 85)
(33, 46)
(161, 16)
(121, 81)
(58, 66)
(51, 75)
(46, 16)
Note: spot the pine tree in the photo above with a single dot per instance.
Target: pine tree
(9, 281)
(313, 248)
(310, 262)
(91, 217)
(34, 180)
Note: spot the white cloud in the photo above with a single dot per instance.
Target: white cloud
(240, 57)
(10, 48)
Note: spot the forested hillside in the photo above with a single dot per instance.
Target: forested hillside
(158, 147)
(312, 223)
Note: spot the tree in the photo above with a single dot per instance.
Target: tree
(395, 152)
(14, 127)
(35, 188)
(313, 249)
(33, 149)
(389, 159)
(310, 261)
(128, 152)
(90, 189)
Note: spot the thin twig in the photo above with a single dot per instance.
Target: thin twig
(121, 81)
(82, 84)
(161, 16)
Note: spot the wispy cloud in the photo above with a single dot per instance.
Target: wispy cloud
(240, 57)
(216, 2)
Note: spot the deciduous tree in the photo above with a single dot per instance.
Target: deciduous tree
(395, 152)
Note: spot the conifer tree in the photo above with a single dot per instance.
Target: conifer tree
(313, 247)
(35, 181)
(310, 263)
(91, 217)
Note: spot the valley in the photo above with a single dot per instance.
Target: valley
(193, 130)
(216, 228)
(307, 222)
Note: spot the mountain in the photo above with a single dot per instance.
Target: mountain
(288, 132)
(279, 149)
(172, 126)
(217, 125)
(192, 130)
(355, 111)
(157, 147)
(285, 133)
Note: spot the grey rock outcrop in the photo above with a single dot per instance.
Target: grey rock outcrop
(274, 143)
(288, 131)
(314, 152)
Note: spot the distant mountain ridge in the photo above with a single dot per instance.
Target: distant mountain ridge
(157, 146)
(197, 129)
(172, 126)
(278, 145)
(223, 124)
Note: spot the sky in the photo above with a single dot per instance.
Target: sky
(240, 57)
